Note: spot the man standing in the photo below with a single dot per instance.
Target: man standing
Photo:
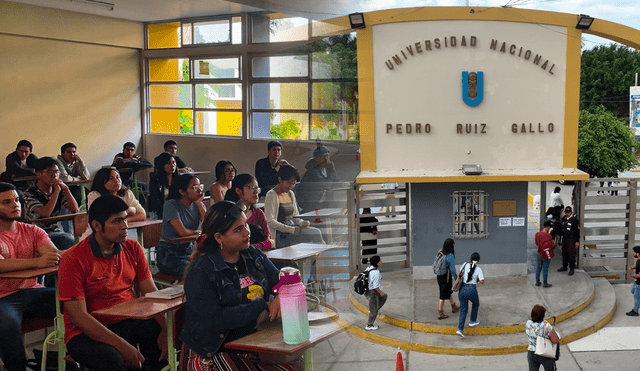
(266, 170)
(570, 240)
(635, 286)
(544, 241)
(22, 246)
(47, 197)
(72, 169)
(100, 272)
(171, 147)
(21, 163)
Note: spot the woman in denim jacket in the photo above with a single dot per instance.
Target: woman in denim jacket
(227, 287)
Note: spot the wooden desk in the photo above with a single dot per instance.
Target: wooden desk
(270, 346)
(328, 214)
(185, 239)
(144, 308)
(57, 335)
(83, 193)
(298, 253)
(149, 231)
(80, 222)
(197, 172)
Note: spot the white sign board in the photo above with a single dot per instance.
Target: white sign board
(449, 93)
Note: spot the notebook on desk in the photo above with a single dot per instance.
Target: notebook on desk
(168, 293)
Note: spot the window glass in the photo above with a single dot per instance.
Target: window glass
(222, 96)
(187, 38)
(470, 214)
(168, 70)
(236, 30)
(280, 96)
(220, 68)
(327, 126)
(212, 32)
(175, 121)
(219, 123)
(177, 96)
(163, 35)
(326, 95)
(281, 125)
(268, 28)
(281, 66)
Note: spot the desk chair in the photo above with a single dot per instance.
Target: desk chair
(150, 237)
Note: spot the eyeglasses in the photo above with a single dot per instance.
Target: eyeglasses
(199, 187)
(52, 171)
(229, 171)
(254, 188)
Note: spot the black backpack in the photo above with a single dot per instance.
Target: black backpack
(361, 285)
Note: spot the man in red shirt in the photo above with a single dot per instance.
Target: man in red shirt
(544, 241)
(100, 272)
(22, 246)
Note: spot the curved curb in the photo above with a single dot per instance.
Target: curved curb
(591, 329)
(451, 330)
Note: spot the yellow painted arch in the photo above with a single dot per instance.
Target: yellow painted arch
(610, 30)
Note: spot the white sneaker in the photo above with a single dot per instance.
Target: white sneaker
(474, 324)
(460, 333)
(371, 327)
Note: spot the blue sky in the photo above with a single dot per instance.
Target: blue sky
(622, 12)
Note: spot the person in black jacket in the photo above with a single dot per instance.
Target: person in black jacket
(21, 163)
(166, 173)
(570, 240)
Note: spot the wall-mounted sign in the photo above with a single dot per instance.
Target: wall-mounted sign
(504, 208)
(518, 222)
(505, 222)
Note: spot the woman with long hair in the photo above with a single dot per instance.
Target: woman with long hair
(183, 212)
(244, 188)
(535, 327)
(160, 183)
(225, 172)
(471, 276)
(281, 210)
(228, 290)
(445, 281)
(107, 182)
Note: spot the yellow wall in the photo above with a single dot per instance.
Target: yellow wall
(71, 86)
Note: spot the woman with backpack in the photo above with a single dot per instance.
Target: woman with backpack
(376, 296)
(471, 276)
(445, 270)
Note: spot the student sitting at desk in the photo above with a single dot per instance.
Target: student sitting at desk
(21, 163)
(100, 272)
(159, 185)
(127, 162)
(72, 169)
(281, 210)
(244, 188)
(107, 182)
(183, 212)
(225, 172)
(228, 290)
(24, 246)
(171, 147)
(46, 198)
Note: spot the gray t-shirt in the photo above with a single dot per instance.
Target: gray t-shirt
(173, 209)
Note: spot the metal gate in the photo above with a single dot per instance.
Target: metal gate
(608, 214)
(391, 216)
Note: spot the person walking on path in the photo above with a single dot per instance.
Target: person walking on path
(535, 327)
(570, 240)
(471, 276)
(635, 286)
(544, 241)
(376, 296)
(445, 281)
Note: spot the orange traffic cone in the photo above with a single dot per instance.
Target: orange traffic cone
(399, 364)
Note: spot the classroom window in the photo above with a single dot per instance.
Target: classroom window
(277, 27)
(470, 214)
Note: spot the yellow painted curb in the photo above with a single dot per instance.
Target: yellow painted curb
(591, 329)
(477, 331)
(530, 198)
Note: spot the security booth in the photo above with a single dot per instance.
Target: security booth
(467, 106)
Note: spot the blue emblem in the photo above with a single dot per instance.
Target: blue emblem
(472, 87)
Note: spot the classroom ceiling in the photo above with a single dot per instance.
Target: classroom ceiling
(157, 10)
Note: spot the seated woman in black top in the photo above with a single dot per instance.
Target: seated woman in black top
(161, 182)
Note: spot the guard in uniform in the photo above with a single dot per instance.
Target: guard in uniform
(570, 240)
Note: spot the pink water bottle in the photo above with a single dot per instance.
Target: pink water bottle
(293, 306)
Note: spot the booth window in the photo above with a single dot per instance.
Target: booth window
(469, 217)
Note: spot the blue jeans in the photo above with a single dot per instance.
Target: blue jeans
(468, 293)
(544, 267)
(62, 240)
(635, 290)
(27, 303)
(173, 258)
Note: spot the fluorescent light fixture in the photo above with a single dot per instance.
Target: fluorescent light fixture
(96, 3)
(584, 22)
(471, 169)
(356, 20)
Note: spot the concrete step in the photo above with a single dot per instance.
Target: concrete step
(579, 315)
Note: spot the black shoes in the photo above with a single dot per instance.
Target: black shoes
(632, 313)
(563, 269)
(547, 285)
(571, 272)
(538, 283)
